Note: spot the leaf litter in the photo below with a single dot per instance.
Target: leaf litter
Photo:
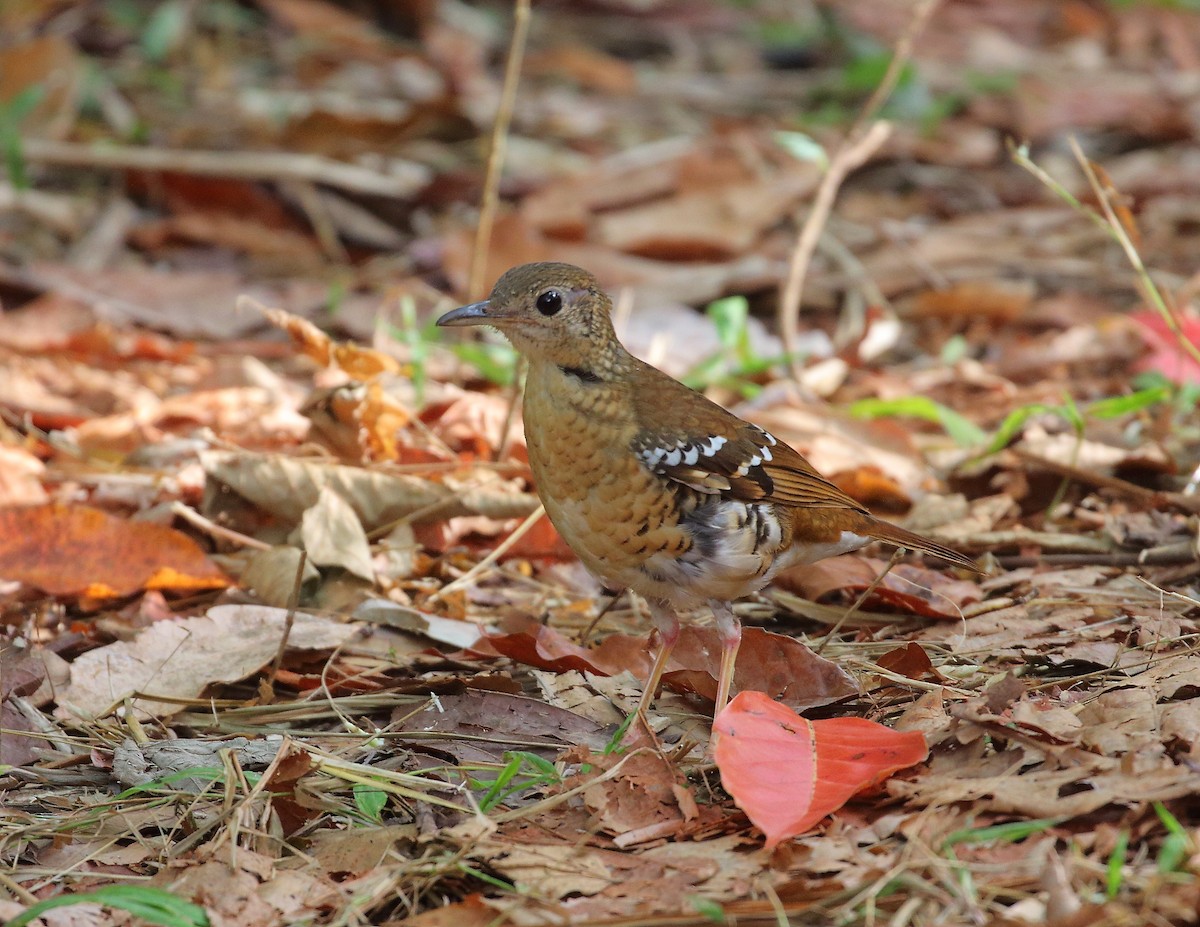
(427, 741)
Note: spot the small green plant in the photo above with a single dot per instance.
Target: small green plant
(370, 802)
(164, 783)
(1011, 832)
(12, 114)
(964, 432)
(1177, 846)
(734, 364)
(496, 362)
(708, 909)
(1115, 871)
(1152, 390)
(153, 905)
(614, 744)
(523, 770)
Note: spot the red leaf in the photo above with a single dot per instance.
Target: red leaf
(787, 772)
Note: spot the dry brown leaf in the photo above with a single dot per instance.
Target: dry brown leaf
(480, 726)
(83, 551)
(288, 487)
(334, 537)
(182, 658)
(648, 800)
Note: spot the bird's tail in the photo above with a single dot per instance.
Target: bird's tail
(893, 534)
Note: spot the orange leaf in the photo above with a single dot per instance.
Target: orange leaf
(787, 772)
(79, 550)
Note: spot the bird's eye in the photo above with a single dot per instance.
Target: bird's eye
(549, 302)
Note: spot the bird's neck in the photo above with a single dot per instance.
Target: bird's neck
(594, 384)
(587, 364)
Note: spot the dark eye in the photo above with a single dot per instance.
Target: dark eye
(549, 302)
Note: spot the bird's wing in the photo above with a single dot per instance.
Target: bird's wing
(692, 440)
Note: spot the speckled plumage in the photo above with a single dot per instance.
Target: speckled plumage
(656, 488)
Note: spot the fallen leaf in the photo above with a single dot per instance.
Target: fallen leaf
(787, 773)
(179, 659)
(83, 551)
(333, 535)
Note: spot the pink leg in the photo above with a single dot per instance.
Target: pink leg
(731, 639)
(668, 631)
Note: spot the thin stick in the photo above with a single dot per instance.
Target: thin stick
(1118, 231)
(406, 179)
(495, 162)
(848, 157)
(866, 593)
(501, 549)
(290, 620)
(190, 515)
(860, 143)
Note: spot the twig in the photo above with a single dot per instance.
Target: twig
(866, 593)
(847, 158)
(501, 549)
(190, 515)
(1114, 229)
(406, 179)
(860, 143)
(1164, 555)
(1119, 232)
(495, 163)
(290, 619)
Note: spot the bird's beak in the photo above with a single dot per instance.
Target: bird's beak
(474, 314)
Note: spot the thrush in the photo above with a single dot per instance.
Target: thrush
(656, 488)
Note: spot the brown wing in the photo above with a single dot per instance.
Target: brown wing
(711, 450)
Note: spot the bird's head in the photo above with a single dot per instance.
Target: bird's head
(549, 311)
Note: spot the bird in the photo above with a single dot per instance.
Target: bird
(656, 488)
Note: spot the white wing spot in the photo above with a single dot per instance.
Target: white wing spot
(712, 444)
(743, 470)
(692, 455)
(672, 459)
(766, 452)
(755, 461)
(770, 438)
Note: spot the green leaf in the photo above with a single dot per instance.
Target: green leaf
(212, 773)
(1010, 833)
(614, 742)
(1177, 845)
(496, 363)
(493, 795)
(1012, 425)
(164, 30)
(370, 801)
(1117, 406)
(964, 432)
(708, 909)
(803, 147)
(11, 115)
(1116, 865)
(1070, 411)
(153, 905)
(729, 316)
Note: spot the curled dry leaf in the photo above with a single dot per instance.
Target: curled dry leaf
(775, 663)
(787, 772)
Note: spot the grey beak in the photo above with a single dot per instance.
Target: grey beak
(474, 314)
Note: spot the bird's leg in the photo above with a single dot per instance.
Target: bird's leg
(731, 638)
(667, 624)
